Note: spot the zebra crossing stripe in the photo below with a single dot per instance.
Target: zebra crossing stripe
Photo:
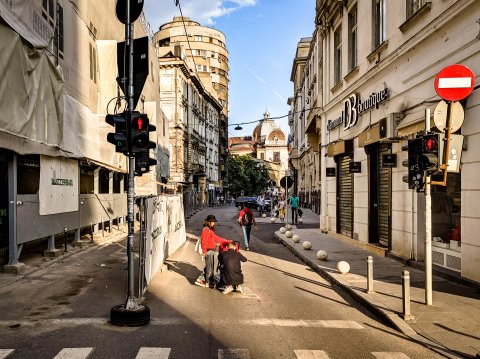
(311, 354)
(233, 354)
(74, 353)
(5, 352)
(153, 353)
(390, 355)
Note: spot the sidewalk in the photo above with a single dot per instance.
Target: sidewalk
(451, 326)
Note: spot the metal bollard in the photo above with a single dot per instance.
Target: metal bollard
(370, 274)
(65, 238)
(406, 295)
(103, 227)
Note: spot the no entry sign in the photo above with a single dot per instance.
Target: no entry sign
(454, 82)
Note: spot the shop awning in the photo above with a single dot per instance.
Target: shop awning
(413, 122)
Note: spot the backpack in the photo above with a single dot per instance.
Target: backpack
(248, 217)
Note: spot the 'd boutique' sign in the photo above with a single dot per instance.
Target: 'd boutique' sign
(354, 107)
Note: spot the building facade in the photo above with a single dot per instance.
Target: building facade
(59, 169)
(204, 52)
(377, 63)
(194, 117)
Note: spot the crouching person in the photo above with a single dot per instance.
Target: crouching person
(231, 273)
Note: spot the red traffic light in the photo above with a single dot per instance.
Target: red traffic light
(139, 123)
(430, 144)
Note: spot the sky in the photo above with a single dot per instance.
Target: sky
(261, 38)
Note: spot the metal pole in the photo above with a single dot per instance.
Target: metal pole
(65, 238)
(131, 302)
(370, 274)
(406, 295)
(428, 227)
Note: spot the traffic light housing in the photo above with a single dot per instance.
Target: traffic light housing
(139, 133)
(415, 176)
(119, 137)
(140, 129)
(143, 163)
(430, 152)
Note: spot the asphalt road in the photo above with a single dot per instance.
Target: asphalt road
(286, 310)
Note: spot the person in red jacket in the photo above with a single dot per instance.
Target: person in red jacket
(209, 244)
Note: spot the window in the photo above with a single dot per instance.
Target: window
(48, 11)
(198, 38)
(93, 63)
(379, 16)
(276, 157)
(337, 43)
(413, 6)
(60, 31)
(352, 40)
(262, 156)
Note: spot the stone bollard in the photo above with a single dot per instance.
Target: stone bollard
(406, 295)
(370, 274)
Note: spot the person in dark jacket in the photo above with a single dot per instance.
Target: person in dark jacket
(232, 275)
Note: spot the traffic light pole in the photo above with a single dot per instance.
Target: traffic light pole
(131, 302)
(428, 226)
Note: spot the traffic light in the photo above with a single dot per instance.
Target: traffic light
(139, 133)
(415, 177)
(119, 137)
(143, 163)
(140, 129)
(429, 156)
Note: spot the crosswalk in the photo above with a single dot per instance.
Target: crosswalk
(164, 353)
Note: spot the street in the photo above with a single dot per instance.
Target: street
(285, 311)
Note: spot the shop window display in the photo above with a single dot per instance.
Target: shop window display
(446, 207)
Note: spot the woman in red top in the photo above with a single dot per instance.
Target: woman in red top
(209, 243)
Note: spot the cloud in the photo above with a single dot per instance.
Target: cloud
(205, 11)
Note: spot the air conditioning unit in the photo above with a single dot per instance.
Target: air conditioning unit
(388, 125)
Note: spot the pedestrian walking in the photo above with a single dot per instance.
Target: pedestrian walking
(246, 220)
(294, 206)
(209, 244)
(231, 268)
(261, 204)
(281, 209)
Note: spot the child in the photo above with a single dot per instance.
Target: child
(209, 243)
(232, 274)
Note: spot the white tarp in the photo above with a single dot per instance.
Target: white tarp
(25, 17)
(165, 231)
(58, 191)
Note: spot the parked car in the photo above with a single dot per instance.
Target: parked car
(250, 202)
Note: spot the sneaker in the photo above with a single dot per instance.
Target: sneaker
(228, 289)
(239, 289)
(201, 283)
(247, 249)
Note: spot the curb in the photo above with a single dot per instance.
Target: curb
(369, 302)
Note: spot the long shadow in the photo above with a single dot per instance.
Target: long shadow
(322, 296)
(292, 275)
(187, 270)
(456, 331)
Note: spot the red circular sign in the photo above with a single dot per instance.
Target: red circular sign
(454, 82)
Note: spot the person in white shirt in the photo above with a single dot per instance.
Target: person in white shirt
(261, 204)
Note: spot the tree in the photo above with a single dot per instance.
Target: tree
(246, 174)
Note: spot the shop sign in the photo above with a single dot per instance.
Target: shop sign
(389, 160)
(330, 171)
(355, 167)
(354, 107)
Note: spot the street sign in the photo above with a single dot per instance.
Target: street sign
(286, 182)
(441, 113)
(454, 82)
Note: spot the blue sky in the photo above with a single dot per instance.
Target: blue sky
(261, 37)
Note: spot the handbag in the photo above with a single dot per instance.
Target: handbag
(198, 247)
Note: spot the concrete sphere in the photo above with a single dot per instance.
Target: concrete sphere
(343, 267)
(283, 230)
(296, 238)
(272, 219)
(300, 220)
(264, 215)
(289, 234)
(322, 255)
(307, 245)
(288, 226)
